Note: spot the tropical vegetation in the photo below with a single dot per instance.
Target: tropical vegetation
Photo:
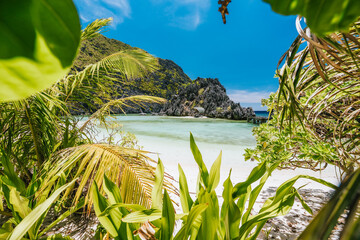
(202, 218)
(47, 153)
(315, 119)
(51, 162)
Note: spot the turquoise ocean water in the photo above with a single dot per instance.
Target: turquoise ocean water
(168, 138)
(207, 130)
(262, 113)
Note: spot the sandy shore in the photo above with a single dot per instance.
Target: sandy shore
(174, 152)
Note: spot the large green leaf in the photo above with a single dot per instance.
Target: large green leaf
(230, 213)
(192, 219)
(253, 195)
(113, 197)
(272, 208)
(322, 16)
(256, 174)
(118, 209)
(143, 216)
(210, 217)
(112, 191)
(278, 205)
(100, 205)
(133, 207)
(38, 42)
(19, 203)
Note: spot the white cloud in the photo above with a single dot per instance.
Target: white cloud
(244, 96)
(90, 10)
(185, 14)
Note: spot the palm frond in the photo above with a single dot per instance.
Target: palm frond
(106, 75)
(131, 169)
(95, 28)
(130, 102)
(132, 63)
(29, 129)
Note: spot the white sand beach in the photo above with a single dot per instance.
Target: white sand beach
(288, 227)
(174, 152)
(168, 139)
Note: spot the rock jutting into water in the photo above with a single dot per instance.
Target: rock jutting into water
(202, 97)
(205, 97)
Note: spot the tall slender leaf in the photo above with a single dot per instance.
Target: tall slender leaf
(156, 196)
(198, 158)
(185, 199)
(35, 214)
(214, 177)
(167, 218)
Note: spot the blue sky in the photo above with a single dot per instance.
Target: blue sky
(243, 54)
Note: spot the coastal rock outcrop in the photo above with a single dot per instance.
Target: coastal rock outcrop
(202, 97)
(205, 97)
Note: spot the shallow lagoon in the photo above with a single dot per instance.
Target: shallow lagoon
(168, 139)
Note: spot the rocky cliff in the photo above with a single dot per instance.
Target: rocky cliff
(205, 97)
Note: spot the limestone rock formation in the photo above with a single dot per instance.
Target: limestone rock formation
(205, 97)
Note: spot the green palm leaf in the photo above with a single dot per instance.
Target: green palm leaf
(130, 169)
(133, 63)
(95, 28)
(106, 109)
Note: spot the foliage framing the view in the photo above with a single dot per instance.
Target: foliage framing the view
(39, 40)
(319, 88)
(202, 218)
(323, 16)
(40, 128)
(318, 103)
(316, 110)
